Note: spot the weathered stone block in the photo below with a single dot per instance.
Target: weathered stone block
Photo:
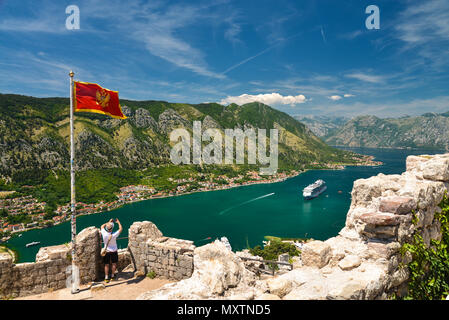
(316, 253)
(380, 219)
(429, 214)
(397, 205)
(436, 169)
(185, 261)
(352, 290)
(380, 232)
(279, 286)
(349, 262)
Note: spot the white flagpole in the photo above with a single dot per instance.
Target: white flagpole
(75, 288)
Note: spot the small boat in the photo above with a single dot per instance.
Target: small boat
(32, 243)
(314, 190)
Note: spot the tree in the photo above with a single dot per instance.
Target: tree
(275, 248)
(3, 213)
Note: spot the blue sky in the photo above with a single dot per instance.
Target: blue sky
(301, 57)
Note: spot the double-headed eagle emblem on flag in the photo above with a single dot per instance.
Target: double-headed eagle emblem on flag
(103, 98)
(90, 97)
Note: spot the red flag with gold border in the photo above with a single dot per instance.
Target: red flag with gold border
(90, 97)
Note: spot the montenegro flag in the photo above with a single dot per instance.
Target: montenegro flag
(90, 97)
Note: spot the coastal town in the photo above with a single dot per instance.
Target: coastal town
(33, 213)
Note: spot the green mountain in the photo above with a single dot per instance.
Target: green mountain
(34, 141)
(430, 130)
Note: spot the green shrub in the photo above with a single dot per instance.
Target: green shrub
(275, 248)
(429, 268)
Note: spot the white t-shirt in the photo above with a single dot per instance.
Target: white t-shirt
(112, 246)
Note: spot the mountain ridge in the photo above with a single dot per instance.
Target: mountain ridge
(34, 134)
(427, 131)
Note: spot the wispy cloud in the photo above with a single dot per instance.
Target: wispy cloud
(233, 30)
(366, 77)
(335, 97)
(423, 28)
(158, 32)
(322, 34)
(41, 21)
(424, 22)
(157, 27)
(351, 35)
(37, 71)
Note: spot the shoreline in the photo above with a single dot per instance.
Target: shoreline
(289, 175)
(369, 163)
(16, 233)
(392, 148)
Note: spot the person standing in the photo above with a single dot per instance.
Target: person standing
(110, 242)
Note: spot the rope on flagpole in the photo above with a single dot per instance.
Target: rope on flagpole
(75, 276)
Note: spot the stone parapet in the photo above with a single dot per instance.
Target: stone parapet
(163, 256)
(52, 267)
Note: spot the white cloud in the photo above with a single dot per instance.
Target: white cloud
(424, 22)
(159, 28)
(337, 97)
(268, 98)
(160, 34)
(366, 77)
(424, 28)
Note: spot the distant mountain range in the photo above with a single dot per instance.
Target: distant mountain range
(34, 134)
(322, 125)
(428, 131)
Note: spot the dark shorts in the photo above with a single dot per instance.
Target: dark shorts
(110, 257)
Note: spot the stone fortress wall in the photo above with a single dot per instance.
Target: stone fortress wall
(167, 257)
(362, 262)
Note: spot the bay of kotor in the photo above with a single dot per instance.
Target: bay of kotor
(244, 214)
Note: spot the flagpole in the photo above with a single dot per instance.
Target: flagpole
(75, 288)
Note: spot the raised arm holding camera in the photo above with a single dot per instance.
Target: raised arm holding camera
(109, 252)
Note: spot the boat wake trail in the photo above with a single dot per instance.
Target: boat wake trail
(243, 203)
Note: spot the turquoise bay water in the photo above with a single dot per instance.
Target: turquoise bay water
(244, 215)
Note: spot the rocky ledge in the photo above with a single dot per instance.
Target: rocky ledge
(362, 262)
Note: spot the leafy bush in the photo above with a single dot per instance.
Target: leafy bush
(429, 268)
(272, 251)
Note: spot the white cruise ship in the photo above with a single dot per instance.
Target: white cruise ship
(314, 190)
